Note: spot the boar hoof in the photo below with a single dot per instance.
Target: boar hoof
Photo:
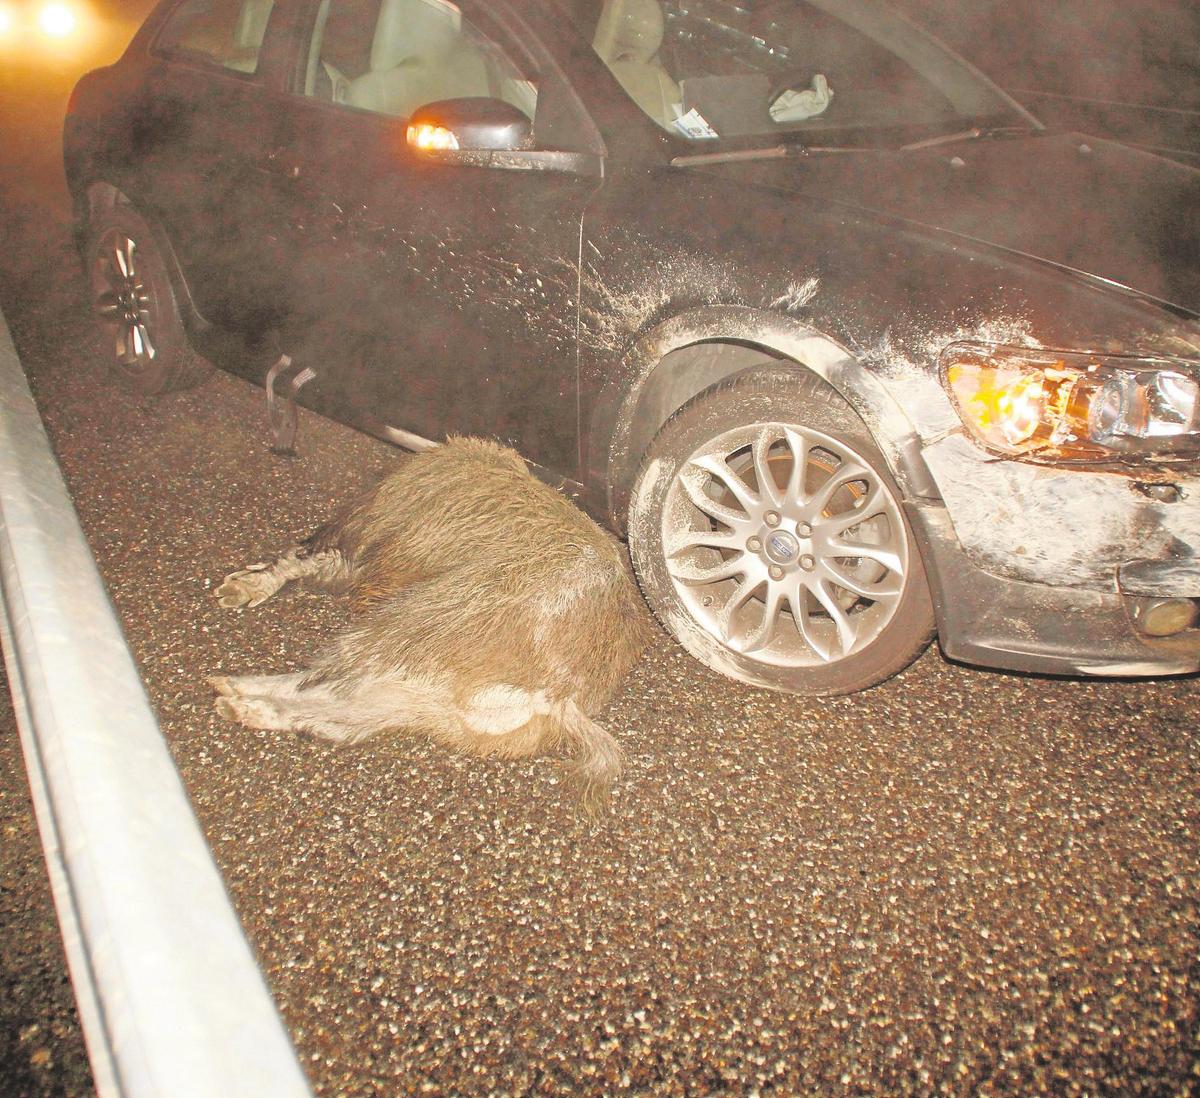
(250, 587)
(222, 685)
(252, 712)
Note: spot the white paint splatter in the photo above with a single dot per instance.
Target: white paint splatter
(641, 509)
(913, 378)
(611, 315)
(797, 295)
(1007, 330)
(1062, 526)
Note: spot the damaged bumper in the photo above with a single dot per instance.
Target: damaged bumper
(1061, 571)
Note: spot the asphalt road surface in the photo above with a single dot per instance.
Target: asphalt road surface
(961, 882)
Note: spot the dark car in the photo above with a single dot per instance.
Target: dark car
(846, 342)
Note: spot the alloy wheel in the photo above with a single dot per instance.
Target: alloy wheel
(123, 300)
(785, 545)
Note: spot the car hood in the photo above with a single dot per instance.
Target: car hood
(1093, 206)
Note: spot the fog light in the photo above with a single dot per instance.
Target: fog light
(1163, 617)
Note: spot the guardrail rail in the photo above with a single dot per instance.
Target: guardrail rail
(171, 998)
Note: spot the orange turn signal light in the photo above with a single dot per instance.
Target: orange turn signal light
(429, 136)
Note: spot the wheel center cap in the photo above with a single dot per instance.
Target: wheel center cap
(781, 547)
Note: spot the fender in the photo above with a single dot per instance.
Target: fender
(643, 393)
(88, 202)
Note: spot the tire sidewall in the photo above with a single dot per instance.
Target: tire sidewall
(787, 397)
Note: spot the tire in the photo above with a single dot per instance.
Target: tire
(132, 296)
(758, 584)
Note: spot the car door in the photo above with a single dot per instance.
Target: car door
(436, 295)
(200, 136)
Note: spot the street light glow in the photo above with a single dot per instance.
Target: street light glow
(6, 20)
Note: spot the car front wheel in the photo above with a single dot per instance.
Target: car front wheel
(768, 536)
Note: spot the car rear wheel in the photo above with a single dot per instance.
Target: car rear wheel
(769, 538)
(133, 298)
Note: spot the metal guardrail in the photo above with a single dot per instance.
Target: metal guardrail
(171, 998)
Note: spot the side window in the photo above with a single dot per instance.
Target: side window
(228, 33)
(393, 56)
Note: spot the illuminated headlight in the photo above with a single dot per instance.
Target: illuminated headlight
(1023, 402)
(54, 24)
(57, 20)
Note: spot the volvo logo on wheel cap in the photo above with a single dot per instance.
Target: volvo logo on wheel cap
(782, 547)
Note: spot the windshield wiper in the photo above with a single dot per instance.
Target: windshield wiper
(773, 152)
(975, 133)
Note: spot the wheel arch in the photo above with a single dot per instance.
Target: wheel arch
(100, 195)
(675, 361)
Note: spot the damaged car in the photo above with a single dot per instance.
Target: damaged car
(849, 346)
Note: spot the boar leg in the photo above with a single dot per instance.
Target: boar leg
(256, 583)
(345, 715)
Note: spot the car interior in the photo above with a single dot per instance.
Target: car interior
(229, 32)
(631, 38)
(394, 56)
(248, 34)
(730, 68)
(628, 37)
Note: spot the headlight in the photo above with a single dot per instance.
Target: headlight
(54, 27)
(1023, 402)
(57, 20)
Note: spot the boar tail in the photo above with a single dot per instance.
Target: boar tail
(598, 760)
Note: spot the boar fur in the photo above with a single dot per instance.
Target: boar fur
(490, 613)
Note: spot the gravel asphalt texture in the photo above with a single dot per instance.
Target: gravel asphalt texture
(41, 1048)
(960, 882)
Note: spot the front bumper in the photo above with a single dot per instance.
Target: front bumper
(998, 621)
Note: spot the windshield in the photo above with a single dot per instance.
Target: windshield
(835, 71)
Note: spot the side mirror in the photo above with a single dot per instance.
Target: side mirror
(469, 125)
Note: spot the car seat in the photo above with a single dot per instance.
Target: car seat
(419, 55)
(248, 34)
(628, 37)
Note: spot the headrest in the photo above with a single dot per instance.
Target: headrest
(413, 28)
(629, 30)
